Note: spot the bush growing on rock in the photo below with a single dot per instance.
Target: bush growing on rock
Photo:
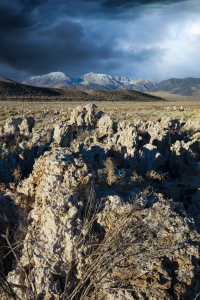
(122, 250)
(106, 176)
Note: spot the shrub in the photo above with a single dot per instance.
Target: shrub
(106, 177)
(111, 259)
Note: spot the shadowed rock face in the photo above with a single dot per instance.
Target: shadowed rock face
(156, 239)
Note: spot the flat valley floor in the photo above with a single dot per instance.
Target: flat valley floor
(175, 107)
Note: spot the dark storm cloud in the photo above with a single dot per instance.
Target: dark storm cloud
(30, 44)
(130, 3)
(62, 47)
(20, 14)
(40, 36)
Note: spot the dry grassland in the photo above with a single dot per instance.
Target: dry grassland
(124, 111)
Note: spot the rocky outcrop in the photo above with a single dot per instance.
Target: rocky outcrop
(63, 135)
(156, 263)
(22, 144)
(58, 190)
(82, 117)
(156, 240)
(106, 125)
(21, 125)
(150, 247)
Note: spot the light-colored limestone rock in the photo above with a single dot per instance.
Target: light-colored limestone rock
(172, 267)
(26, 125)
(22, 125)
(58, 188)
(12, 125)
(106, 125)
(63, 135)
(83, 117)
(164, 153)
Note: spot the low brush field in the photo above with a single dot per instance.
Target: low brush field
(174, 106)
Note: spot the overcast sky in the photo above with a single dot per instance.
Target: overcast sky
(148, 39)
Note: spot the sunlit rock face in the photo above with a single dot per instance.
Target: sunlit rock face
(58, 188)
(22, 125)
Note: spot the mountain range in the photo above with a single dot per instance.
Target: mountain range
(186, 87)
(91, 81)
(13, 91)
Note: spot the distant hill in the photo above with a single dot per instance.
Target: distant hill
(123, 95)
(11, 90)
(185, 87)
(14, 91)
(90, 81)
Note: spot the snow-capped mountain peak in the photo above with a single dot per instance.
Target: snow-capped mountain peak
(97, 78)
(53, 79)
(53, 76)
(91, 80)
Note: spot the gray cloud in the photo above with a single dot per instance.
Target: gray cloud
(65, 47)
(80, 36)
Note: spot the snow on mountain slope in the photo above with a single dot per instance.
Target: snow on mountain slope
(53, 79)
(99, 78)
(119, 82)
(60, 80)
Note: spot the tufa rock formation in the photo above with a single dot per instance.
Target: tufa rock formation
(88, 236)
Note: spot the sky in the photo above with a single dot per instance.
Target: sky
(148, 39)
